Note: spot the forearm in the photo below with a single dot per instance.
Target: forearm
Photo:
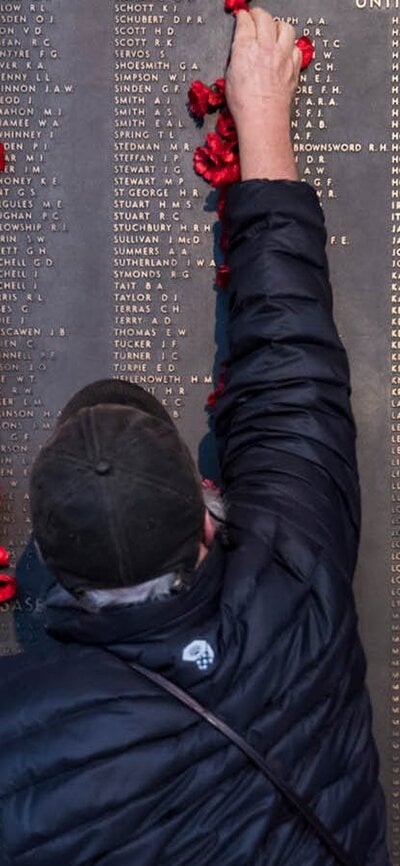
(265, 146)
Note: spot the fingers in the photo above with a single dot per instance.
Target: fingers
(297, 59)
(245, 27)
(260, 24)
(266, 27)
(286, 35)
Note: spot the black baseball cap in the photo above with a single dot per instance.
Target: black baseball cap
(115, 495)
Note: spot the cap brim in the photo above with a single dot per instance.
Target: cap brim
(118, 392)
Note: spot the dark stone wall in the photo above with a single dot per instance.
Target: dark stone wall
(108, 243)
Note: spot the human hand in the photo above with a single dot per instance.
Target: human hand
(264, 68)
(260, 84)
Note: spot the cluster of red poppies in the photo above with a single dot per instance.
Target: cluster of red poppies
(8, 584)
(219, 388)
(217, 161)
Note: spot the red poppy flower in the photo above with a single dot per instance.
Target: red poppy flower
(221, 204)
(216, 161)
(198, 99)
(222, 276)
(3, 158)
(4, 557)
(307, 50)
(219, 389)
(236, 5)
(224, 241)
(216, 98)
(221, 149)
(203, 99)
(226, 127)
(8, 587)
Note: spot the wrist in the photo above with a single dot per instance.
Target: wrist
(264, 113)
(267, 153)
(268, 127)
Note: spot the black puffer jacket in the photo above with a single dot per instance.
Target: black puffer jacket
(100, 768)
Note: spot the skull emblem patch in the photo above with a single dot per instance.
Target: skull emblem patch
(199, 652)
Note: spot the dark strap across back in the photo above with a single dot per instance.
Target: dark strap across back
(297, 803)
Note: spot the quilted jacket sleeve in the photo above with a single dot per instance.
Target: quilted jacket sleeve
(284, 424)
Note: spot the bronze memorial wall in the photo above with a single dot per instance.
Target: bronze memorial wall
(108, 246)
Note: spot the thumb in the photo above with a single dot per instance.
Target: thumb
(297, 59)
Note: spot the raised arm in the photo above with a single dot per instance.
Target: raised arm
(284, 424)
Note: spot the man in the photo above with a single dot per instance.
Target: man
(99, 766)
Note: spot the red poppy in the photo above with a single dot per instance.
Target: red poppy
(198, 99)
(307, 50)
(3, 158)
(221, 148)
(4, 557)
(224, 241)
(222, 276)
(219, 389)
(226, 127)
(217, 94)
(216, 161)
(8, 587)
(203, 99)
(221, 204)
(236, 5)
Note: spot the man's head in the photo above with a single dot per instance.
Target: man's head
(115, 495)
